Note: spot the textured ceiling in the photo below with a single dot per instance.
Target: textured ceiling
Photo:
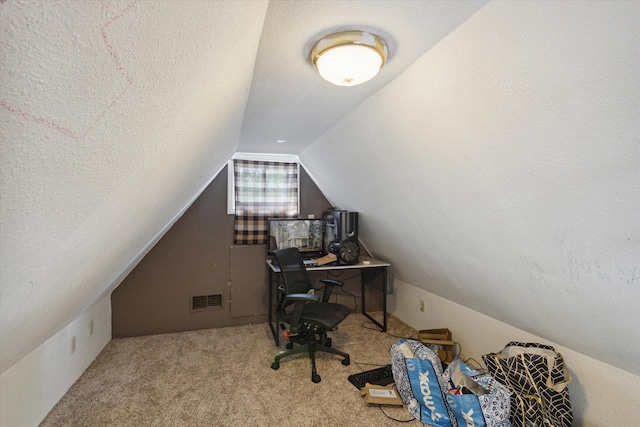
(115, 115)
(501, 171)
(494, 160)
(289, 101)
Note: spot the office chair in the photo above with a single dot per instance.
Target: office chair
(309, 316)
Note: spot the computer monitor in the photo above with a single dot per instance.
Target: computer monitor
(305, 234)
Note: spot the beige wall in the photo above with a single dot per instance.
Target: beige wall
(601, 394)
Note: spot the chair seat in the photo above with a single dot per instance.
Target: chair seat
(327, 315)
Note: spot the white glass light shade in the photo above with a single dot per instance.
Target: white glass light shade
(349, 58)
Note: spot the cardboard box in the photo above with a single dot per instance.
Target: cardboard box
(327, 259)
(381, 394)
(441, 337)
(443, 334)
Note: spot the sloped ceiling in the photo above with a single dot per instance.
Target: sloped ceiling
(494, 161)
(289, 101)
(115, 115)
(502, 171)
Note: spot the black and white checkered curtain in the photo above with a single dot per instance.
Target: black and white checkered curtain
(262, 190)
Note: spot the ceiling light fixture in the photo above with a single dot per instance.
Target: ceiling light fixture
(349, 58)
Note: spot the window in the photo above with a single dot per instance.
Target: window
(262, 190)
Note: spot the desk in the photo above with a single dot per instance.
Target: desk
(373, 266)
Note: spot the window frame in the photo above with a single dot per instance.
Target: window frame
(280, 158)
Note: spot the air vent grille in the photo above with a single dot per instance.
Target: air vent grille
(206, 302)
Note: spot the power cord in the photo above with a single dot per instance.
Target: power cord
(478, 366)
(337, 292)
(361, 366)
(396, 419)
(340, 291)
(340, 274)
(375, 328)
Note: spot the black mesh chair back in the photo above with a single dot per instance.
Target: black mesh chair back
(295, 275)
(309, 316)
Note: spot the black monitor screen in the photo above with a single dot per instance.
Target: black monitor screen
(305, 234)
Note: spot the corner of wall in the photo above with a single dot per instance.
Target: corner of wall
(32, 387)
(601, 394)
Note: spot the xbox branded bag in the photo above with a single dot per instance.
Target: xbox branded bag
(417, 372)
(476, 398)
(461, 396)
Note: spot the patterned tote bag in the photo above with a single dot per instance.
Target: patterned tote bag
(538, 378)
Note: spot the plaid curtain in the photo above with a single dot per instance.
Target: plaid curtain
(262, 190)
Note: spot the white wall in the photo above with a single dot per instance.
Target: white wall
(601, 395)
(502, 171)
(113, 116)
(32, 387)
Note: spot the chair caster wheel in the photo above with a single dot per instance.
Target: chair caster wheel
(346, 361)
(315, 378)
(275, 366)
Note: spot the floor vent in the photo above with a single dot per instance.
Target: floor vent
(206, 302)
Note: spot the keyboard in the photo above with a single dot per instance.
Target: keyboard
(379, 376)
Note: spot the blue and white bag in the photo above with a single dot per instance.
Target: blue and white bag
(482, 401)
(431, 395)
(417, 372)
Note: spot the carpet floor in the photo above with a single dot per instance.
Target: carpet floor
(223, 377)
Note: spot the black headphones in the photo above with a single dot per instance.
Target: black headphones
(348, 250)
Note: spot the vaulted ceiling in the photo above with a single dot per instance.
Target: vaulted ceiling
(495, 159)
(288, 101)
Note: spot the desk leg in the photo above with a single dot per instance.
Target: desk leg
(384, 299)
(383, 326)
(276, 335)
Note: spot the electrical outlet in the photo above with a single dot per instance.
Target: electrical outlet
(90, 327)
(422, 305)
(73, 344)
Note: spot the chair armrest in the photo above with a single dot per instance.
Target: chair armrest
(303, 297)
(332, 282)
(328, 287)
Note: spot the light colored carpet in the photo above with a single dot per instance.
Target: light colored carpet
(223, 377)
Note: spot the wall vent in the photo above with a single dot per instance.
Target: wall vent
(206, 302)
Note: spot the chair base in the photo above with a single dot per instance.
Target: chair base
(311, 346)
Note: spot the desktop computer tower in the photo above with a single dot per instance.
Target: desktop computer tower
(341, 224)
